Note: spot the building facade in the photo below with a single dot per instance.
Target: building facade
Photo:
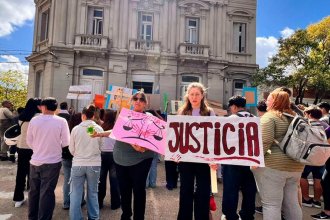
(158, 45)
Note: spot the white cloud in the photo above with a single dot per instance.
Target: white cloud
(15, 13)
(266, 48)
(12, 63)
(286, 32)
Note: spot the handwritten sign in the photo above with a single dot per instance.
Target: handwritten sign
(118, 97)
(142, 129)
(81, 92)
(225, 140)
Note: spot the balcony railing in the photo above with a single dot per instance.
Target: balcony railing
(144, 46)
(194, 50)
(91, 41)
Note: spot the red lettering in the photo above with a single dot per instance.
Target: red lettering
(241, 139)
(217, 138)
(205, 125)
(175, 126)
(252, 139)
(227, 150)
(192, 149)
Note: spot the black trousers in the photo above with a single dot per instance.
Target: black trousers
(191, 200)
(133, 179)
(171, 172)
(43, 181)
(108, 166)
(23, 172)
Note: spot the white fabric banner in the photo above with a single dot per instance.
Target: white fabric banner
(211, 139)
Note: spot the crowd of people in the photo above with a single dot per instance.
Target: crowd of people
(53, 139)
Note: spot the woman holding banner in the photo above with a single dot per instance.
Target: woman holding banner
(132, 166)
(195, 105)
(278, 181)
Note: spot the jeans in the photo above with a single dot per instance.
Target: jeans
(133, 178)
(193, 200)
(108, 166)
(152, 175)
(23, 173)
(67, 164)
(78, 176)
(43, 181)
(236, 178)
(279, 193)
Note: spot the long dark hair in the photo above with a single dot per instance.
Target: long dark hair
(31, 108)
(109, 119)
(75, 120)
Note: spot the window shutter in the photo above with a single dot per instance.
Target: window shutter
(243, 38)
(90, 20)
(139, 26)
(187, 31)
(236, 37)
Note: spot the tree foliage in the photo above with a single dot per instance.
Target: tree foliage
(302, 62)
(13, 87)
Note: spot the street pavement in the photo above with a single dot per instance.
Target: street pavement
(162, 204)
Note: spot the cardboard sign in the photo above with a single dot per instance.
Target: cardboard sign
(118, 97)
(175, 105)
(250, 93)
(224, 140)
(80, 92)
(153, 101)
(99, 101)
(138, 128)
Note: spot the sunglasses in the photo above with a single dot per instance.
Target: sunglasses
(140, 99)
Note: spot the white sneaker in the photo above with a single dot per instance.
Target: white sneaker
(19, 203)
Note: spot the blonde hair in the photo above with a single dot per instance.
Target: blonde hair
(281, 103)
(186, 108)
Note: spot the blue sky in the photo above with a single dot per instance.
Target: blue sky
(275, 19)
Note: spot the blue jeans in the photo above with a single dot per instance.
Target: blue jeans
(78, 176)
(152, 175)
(66, 164)
(236, 178)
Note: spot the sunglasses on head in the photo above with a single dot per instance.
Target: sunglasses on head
(136, 98)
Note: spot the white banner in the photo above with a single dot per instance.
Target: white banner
(81, 92)
(211, 139)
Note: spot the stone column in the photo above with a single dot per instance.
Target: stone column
(63, 19)
(72, 10)
(165, 27)
(174, 27)
(116, 24)
(211, 29)
(182, 26)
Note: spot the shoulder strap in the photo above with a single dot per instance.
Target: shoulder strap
(21, 123)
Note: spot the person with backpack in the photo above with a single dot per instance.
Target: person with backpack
(313, 113)
(278, 181)
(236, 178)
(325, 182)
(325, 107)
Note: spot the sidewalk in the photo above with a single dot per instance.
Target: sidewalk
(162, 204)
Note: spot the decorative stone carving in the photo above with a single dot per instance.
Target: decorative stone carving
(99, 2)
(150, 5)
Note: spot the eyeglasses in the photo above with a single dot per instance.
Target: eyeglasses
(140, 99)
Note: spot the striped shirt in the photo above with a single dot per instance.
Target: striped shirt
(275, 127)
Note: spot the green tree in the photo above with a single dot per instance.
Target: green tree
(13, 87)
(320, 79)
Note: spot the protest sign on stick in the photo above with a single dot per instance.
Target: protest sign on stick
(142, 129)
(80, 92)
(211, 139)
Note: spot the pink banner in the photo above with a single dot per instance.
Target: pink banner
(142, 129)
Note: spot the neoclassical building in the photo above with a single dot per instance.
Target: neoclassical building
(158, 45)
